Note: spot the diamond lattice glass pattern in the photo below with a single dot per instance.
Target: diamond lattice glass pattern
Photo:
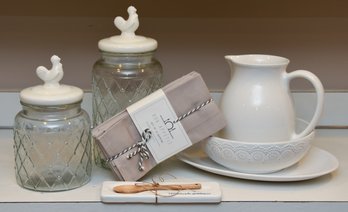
(52, 150)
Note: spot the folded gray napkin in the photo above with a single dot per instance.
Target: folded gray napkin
(184, 94)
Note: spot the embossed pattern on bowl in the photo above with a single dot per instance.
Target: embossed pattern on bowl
(256, 157)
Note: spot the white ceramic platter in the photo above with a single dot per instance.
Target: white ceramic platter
(316, 163)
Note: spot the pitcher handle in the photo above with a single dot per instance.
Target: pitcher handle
(314, 80)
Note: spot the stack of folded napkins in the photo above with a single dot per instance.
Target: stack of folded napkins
(122, 131)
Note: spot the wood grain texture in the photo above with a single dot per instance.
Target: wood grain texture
(136, 188)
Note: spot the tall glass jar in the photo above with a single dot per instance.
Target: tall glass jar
(52, 143)
(126, 72)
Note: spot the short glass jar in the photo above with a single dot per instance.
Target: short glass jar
(52, 141)
(126, 72)
(52, 147)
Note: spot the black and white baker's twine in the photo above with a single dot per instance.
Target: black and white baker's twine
(141, 150)
(193, 110)
(146, 135)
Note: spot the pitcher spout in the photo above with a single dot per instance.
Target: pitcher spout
(230, 58)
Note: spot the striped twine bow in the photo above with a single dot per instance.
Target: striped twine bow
(146, 136)
(141, 150)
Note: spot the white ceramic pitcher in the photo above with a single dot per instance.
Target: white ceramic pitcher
(257, 102)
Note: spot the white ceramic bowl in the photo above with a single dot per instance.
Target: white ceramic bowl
(260, 157)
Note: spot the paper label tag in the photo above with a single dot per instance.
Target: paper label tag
(155, 112)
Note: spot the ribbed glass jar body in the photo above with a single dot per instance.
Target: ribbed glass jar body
(52, 147)
(118, 80)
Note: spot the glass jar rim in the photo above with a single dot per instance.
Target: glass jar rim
(62, 106)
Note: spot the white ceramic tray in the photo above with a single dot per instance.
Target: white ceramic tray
(209, 193)
(316, 163)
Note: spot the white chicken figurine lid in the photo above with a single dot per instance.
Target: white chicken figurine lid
(128, 41)
(51, 92)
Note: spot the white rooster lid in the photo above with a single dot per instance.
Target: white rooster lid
(51, 92)
(127, 42)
